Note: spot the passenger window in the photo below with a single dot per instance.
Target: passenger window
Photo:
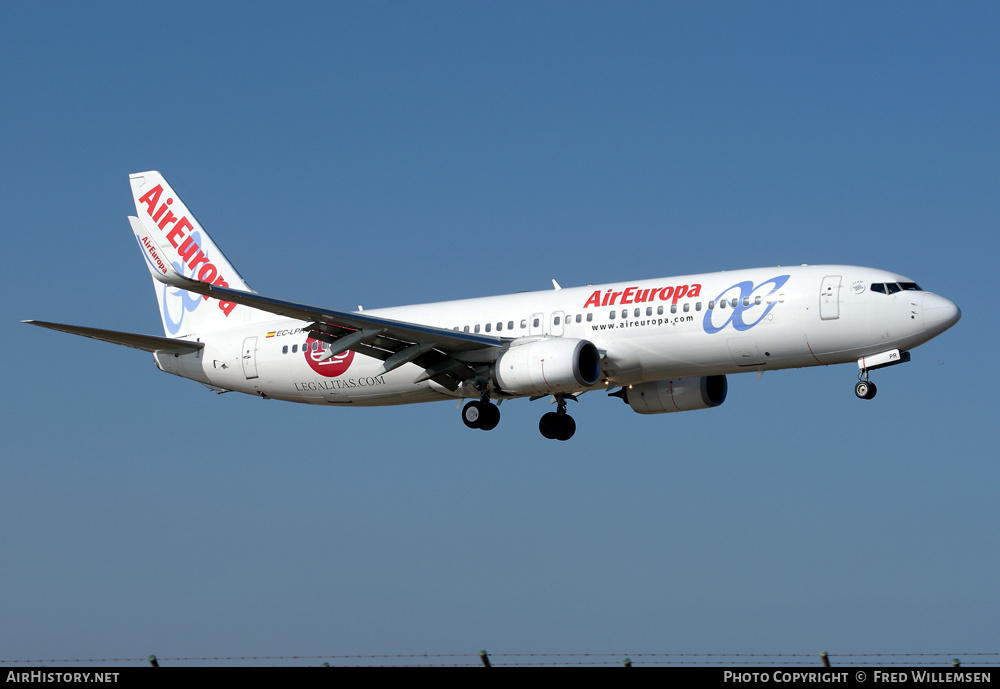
(612, 316)
(555, 320)
(722, 303)
(637, 312)
(649, 310)
(284, 350)
(756, 300)
(697, 307)
(489, 327)
(624, 313)
(746, 301)
(687, 307)
(499, 326)
(590, 317)
(466, 328)
(578, 318)
(711, 305)
(659, 310)
(510, 325)
(295, 348)
(477, 327)
(524, 323)
(673, 308)
(734, 302)
(535, 322)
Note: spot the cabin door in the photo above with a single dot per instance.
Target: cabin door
(829, 298)
(249, 358)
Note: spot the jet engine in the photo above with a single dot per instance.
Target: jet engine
(684, 394)
(548, 366)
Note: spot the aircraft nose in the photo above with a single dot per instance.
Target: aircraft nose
(939, 314)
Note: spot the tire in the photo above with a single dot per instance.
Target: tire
(490, 417)
(472, 414)
(548, 425)
(871, 391)
(566, 427)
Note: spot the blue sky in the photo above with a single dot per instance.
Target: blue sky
(386, 153)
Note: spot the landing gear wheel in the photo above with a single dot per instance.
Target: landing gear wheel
(555, 426)
(481, 415)
(871, 391)
(489, 416)
(567, 427)
(472, 414)
(865, 389)
(548, 425)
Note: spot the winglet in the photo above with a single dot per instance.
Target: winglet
(158, 263)
(162, 269)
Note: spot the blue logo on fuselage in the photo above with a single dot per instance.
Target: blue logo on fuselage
(742, 298)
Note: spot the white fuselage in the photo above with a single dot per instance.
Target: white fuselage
(648, 330)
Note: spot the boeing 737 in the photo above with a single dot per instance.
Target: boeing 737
(663, 345)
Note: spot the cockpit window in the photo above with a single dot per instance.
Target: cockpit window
(893, 287)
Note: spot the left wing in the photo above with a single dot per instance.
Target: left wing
(447, 356)
(148, 343)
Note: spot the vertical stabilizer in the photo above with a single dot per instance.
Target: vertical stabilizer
(168, 232)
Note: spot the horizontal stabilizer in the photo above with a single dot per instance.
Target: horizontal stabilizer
(147, 343)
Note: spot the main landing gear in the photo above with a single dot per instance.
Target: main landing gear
(481, 414)
(558, 425)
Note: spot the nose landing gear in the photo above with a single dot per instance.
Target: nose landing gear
(865, 389)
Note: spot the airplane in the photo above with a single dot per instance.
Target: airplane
(662, 345)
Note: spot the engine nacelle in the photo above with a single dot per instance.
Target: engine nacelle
(547, 366)
(684, 394)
